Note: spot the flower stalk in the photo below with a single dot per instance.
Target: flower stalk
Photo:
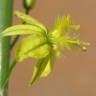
(6, 7)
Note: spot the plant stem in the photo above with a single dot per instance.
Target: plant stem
(12, 66)
(6, 7)
(14, 41)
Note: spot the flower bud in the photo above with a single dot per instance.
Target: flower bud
(28, 4)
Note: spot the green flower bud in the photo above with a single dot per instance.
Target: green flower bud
(28, 4)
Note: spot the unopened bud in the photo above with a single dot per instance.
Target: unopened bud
(28, 4)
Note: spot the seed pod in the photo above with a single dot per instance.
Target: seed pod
(28, 4)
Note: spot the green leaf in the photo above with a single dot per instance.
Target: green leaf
(22, 30)
(41, 69)
(30, 20)
(32, 46)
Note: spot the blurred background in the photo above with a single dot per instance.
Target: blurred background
(74, 73)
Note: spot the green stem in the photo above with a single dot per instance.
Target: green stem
(12, 66)
(6, 7)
